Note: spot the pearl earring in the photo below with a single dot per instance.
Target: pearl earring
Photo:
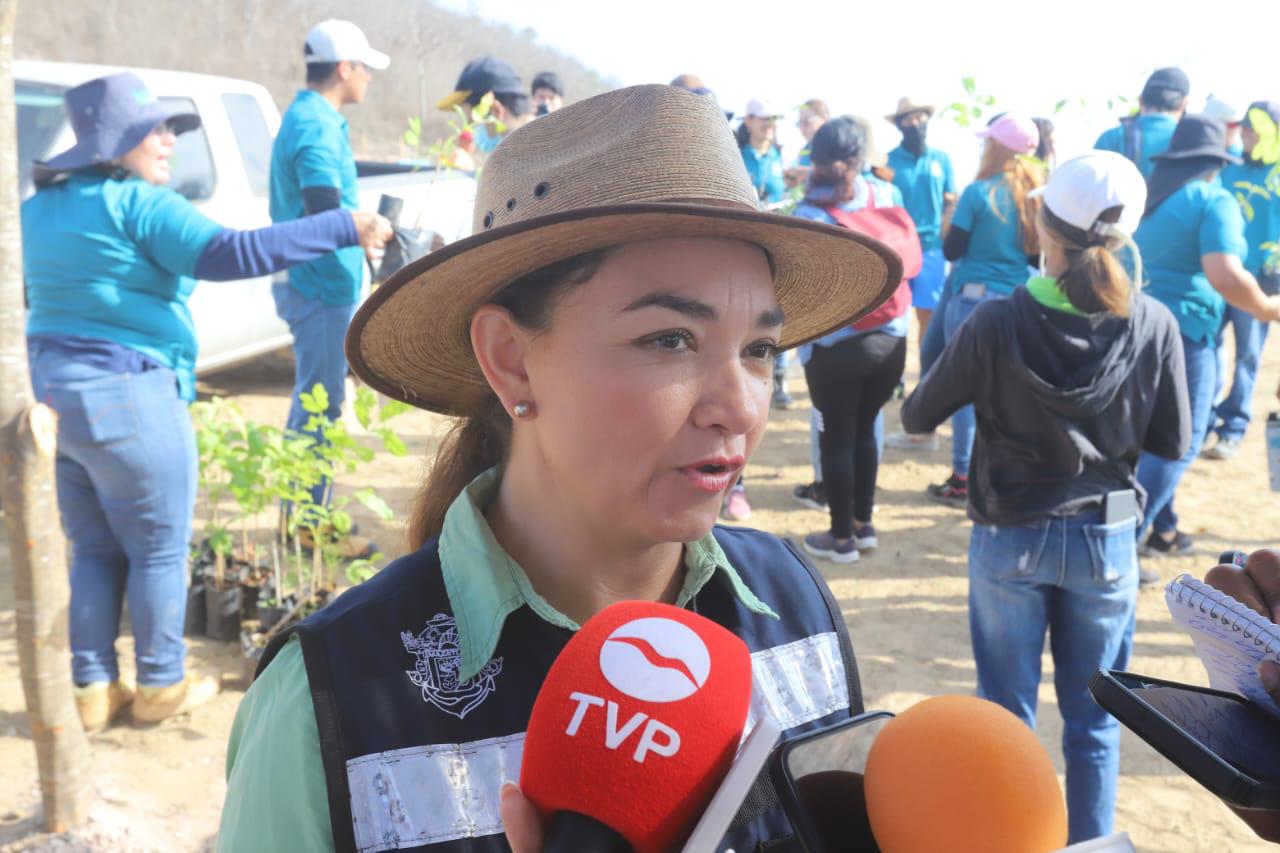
(522, 410)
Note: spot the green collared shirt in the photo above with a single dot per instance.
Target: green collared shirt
(276, 794)
(482, 600)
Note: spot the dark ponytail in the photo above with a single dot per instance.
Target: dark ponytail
(1094, 280)
(480, 440)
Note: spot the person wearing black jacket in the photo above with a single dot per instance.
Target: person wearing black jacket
(1071, 378)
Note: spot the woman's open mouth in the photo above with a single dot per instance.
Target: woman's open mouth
(714, 474)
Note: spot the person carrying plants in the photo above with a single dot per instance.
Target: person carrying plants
(1072, 377)
(991, 242)
(606, 343)
(110, 256)
(1256, 185)
(1193, 247)
(314, 170)
(1143, 136)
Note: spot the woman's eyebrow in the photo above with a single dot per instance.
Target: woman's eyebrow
(697, 309)
(680, 304)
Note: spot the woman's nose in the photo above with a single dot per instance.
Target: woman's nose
(733, 399)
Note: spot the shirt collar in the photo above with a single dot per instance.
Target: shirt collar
(485, 585)
(1045, 290)
(321, 103)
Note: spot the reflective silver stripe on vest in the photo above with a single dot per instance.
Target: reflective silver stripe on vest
(799, 682)
(432, 794)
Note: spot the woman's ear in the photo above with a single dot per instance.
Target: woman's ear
(500, 345)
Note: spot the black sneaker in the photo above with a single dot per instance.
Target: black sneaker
(1157, 545)
(814, 495)
(955, 491)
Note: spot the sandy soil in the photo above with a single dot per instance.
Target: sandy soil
(905, 605)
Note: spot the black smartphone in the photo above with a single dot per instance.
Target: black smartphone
(818, 777)
(1223, 741)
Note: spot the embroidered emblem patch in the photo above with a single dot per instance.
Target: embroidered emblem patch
(439, 662)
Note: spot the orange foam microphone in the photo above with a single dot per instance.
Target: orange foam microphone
(634, 728)
(962, 774)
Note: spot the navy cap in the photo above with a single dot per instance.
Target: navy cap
(548, 80)
(1271, 108)
(1174, 79)
(480, 77)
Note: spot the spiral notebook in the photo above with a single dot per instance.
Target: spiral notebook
(1230, 637)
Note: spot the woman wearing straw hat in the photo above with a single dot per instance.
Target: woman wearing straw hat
(606, 340)
(110, 257)
(1072, 377)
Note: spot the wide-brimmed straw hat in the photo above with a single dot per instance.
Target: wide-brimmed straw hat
(641, 163)
(907, 106)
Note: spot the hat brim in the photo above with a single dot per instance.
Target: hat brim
(1216, 153)
(376, 59)
(411, 340)
(453, 99)
(84, 153)
(924, 108)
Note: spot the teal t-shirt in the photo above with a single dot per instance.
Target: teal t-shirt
(1257, 191)
(924, 182)
(114, 260)
(312, 150)
(1153, 135)
(1199, 219)
(765, 171)
(996, 256)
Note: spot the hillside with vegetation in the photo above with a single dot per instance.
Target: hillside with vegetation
(261, 40)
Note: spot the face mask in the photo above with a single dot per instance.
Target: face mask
(913, 138)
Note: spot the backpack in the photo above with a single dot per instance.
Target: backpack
(894, 227)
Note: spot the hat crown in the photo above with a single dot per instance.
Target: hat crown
(627, 146)
(105, 102)
(1198, 132)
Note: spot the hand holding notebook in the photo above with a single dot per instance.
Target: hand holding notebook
(1230, 637)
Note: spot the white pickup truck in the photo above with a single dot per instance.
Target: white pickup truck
(223, 168)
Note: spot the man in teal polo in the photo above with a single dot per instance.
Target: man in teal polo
(313, 170)
(1140, 137)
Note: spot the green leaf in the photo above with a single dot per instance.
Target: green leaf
(341, 522)
(392, 409)
(316, 402)
(220, 540)
(392, 442)
(374, 504)
(970, 85)
(363, 406)
(1060, 106)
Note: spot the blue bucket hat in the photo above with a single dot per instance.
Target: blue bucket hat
(110, 116)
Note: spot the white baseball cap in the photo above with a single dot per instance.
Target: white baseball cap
(1215, 107)
(342, 41)
(1080, 190)
(762, 109)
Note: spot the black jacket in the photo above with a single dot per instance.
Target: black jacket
(1064, 404)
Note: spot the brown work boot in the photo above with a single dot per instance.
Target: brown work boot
(99, 702)
(156, 704)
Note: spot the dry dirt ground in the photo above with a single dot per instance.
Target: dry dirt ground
(905, 605)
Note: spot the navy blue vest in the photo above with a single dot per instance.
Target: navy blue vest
(414, 759)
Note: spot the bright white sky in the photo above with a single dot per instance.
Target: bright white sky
(861, 57)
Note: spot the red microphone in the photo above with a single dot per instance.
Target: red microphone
(634, 728)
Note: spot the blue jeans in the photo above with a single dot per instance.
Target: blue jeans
(1160, 477)
(126, 479)
(1231, 417)
(964, 425)
(1077, 579)
(319, 332)
(934, 340)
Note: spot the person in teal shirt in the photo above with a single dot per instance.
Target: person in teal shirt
(990, 244)
(1193, 249)
(110, 258)
(1143, 136)
(928, 185)
(757, 140)
(1256, 187)
(312, 170)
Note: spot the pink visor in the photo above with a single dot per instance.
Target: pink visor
(1020, 135)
